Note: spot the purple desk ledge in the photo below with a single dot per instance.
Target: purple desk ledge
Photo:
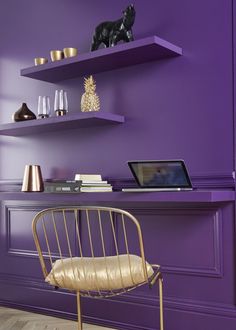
(197, 196)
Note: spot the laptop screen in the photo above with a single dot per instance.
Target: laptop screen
(160, 174)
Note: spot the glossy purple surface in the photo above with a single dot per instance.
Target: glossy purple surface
(173, 107)
(126, 54)
(67, 122)
(179, 107)
(200, 196)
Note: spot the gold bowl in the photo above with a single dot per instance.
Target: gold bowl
(56, 55)
(70, 52)
(40, 60)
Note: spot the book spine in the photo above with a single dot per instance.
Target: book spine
(59, 181)
(60, 189)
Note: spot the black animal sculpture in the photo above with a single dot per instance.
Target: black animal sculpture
(111, 32)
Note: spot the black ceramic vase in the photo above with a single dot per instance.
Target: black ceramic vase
(23, 113)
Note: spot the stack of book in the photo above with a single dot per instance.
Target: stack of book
(93, 183)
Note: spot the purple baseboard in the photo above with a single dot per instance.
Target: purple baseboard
(177, 309)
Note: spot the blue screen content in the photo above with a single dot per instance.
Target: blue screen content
(161, 174)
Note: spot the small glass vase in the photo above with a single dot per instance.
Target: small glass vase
(43, 107)
(60, 103)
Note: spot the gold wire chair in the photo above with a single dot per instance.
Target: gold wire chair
(87, 249)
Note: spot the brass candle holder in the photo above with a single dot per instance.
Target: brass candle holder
(56, 55)
(70, 52)
(40, 60)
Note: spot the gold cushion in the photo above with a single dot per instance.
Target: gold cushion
(93, 274)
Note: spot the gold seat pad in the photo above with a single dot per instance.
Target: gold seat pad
(100, 273)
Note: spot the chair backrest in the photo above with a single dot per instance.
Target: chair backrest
(86, 231)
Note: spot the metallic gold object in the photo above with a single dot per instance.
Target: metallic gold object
(90, 100)
(122, 272)
(40, 60)
(56, 55)
(92, 272)
(70, 52)
(60, 113)
(32, 180)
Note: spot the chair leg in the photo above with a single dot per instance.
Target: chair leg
(160, 281)
(79, 312)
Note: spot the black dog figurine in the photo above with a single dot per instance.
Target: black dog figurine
(110, 33)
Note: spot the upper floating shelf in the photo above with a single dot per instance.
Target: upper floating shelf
(78, 120)
(105, 59)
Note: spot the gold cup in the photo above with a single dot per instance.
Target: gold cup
(32, 180)
(70, 52)
(40, 60)
(56, 55)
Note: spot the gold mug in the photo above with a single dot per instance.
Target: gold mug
(56, 55)
(40, 60)
(70, 52)
(32, 180)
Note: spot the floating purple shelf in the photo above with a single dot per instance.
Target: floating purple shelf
(197, 196)
(126, 54)
(78, 120)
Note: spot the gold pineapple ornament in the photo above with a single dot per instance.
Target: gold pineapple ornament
(90, 100)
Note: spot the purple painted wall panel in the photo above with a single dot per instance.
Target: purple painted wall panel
(173, 107)
(199, 279)
(179, 107)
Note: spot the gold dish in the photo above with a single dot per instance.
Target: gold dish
(40, 60)
(70, 52)
(56, 55)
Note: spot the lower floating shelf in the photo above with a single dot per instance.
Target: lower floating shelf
(72, 121)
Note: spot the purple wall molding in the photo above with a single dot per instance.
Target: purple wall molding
(215, 217)
(200, 181)
(132, 298)
(210, 218)
(216, 181)
(171, 305)
(216, 269)
(234, 75)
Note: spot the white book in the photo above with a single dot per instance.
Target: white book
(96, 189)
(95, 183)
(88, 177)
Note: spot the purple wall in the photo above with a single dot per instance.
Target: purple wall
(177, 108)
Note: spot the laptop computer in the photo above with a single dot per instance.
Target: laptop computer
(159, 175)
